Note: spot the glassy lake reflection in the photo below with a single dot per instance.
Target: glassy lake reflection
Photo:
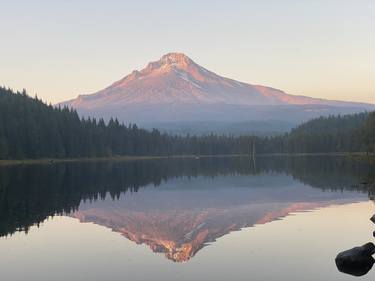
(184, 219)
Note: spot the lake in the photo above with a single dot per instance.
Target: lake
(223, 218)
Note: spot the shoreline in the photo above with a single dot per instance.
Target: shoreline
(358, 156)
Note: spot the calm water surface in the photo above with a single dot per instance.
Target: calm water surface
(187, 219)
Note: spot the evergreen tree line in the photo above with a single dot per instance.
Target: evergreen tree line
(346, 133)
(31, 129)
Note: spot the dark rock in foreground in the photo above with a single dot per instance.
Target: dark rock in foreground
(357, 261)
(373, 219)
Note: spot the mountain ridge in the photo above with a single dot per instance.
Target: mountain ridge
(176, 88)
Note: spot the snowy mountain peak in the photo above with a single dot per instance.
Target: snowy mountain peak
(168, 62)
(176, 58)
(177, 66)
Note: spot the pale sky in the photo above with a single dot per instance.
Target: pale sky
(319, 48)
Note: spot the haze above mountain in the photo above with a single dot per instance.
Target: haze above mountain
(176, 89)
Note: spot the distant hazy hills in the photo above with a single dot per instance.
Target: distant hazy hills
(174, 93)
(259, 128)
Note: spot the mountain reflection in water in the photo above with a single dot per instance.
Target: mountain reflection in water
(194, 202)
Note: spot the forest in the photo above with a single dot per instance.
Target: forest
(32, 129)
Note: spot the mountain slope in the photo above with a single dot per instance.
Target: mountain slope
(175, 88)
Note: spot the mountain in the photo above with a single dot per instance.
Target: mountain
(176, 89)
